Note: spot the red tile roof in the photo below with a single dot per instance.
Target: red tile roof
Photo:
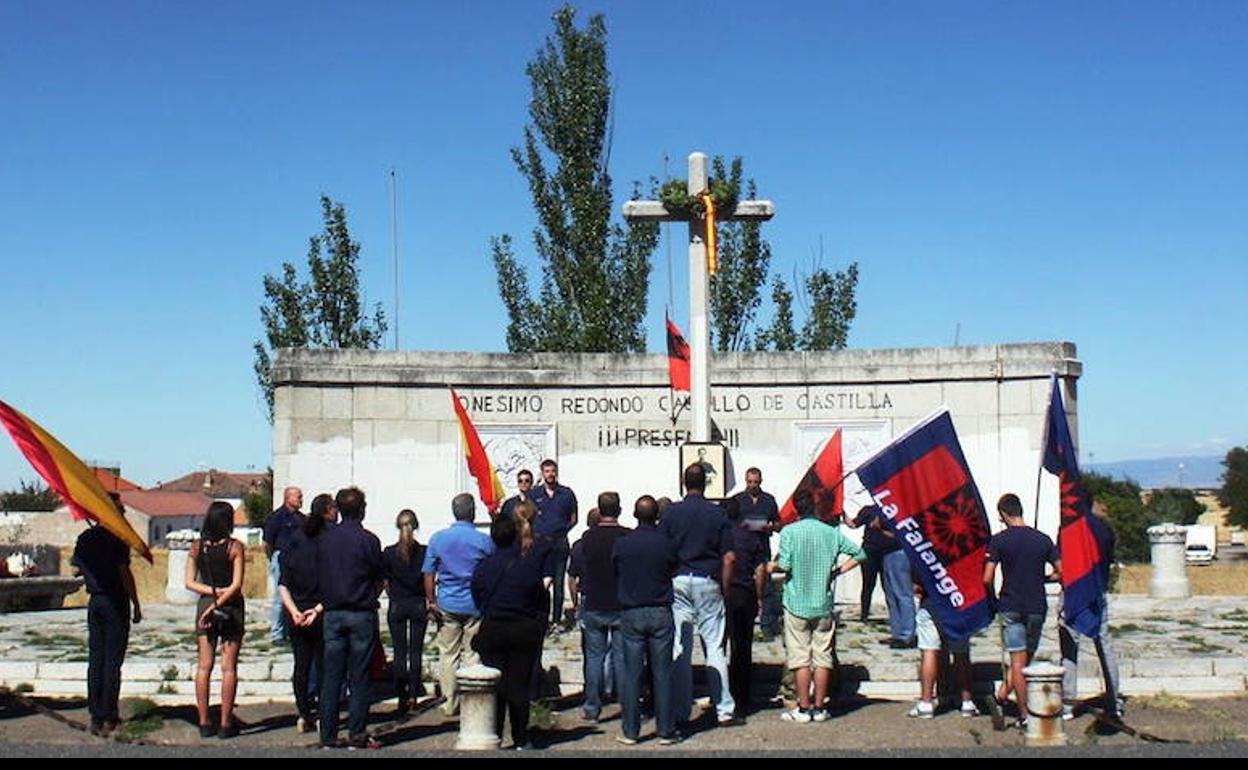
(219, 483)
(158, 503)
(114, 483)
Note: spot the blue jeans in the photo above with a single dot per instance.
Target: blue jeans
(1020, 631)
(277, 613)
(646, 632)
(699, 605)
(597, 628)
(899, 591)
(349, 638)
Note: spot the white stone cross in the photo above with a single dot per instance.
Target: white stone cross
(699, 283)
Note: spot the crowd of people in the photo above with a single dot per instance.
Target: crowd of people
(689, 569)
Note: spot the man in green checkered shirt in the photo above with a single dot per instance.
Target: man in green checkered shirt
(809, 550)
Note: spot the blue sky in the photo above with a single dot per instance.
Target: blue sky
(1023, 171)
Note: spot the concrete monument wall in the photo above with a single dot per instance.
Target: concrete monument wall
(383, 420)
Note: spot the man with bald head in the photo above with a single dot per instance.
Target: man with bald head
(280, 530)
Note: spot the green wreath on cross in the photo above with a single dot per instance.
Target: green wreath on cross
(676, 198)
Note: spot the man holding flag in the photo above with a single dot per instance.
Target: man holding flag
(103, 560)
(1086, 544)
(102, 556)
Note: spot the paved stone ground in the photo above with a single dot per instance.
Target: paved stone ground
(859, 726)
(1194, 646)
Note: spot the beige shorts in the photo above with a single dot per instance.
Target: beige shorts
(808, 641)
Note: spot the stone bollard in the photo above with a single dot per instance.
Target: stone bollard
(477, 708)
(179, 545)
(1169, 555)
(1044, 705)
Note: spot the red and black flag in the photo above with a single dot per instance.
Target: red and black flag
(1084, 568)
(929, 500)
(677, 357)
(821, 488)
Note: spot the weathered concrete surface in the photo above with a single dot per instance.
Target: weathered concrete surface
(382, 420)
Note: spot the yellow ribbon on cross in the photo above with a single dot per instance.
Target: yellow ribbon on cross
(712, 256)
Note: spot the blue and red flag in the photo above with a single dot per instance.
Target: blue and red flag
(927, 496)
(1083, 564)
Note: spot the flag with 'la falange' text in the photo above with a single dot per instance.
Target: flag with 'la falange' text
(929, 500)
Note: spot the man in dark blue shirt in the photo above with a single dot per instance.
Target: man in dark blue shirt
(351, 572)
(524, 484)
(1022, 552)
(280, 530)
(743, 604)
(556, 514)
(600, 614)
(103, 560)
(644, 561)
(702, 536)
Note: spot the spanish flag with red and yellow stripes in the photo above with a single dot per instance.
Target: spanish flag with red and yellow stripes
(69, 477)
(488, 485)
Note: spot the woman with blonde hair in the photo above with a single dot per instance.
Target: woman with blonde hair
(215, 572)
(408, 613)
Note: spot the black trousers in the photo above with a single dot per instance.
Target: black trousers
(407, 620)
(108, 633)
(741, 606)
(870, 573)
(308, 646)
(559, 555)
(511, 646)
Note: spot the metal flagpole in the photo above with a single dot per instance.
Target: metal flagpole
(394, 241)
(1044, 442)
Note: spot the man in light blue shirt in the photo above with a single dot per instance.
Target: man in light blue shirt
(450, 560)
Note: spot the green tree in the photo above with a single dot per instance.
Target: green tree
(1126, 513)
(1176, 505)
(1234, 491)
(29, 496)
(259, 503)
(326, 310)
(780, 334)
(595, 274)
(744, 262)
(831, 308)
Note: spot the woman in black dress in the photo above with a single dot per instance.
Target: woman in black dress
(405, 585)
(509, 587)
(301, 597)
(214, 570)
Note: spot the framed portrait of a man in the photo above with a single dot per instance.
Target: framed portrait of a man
(711, 456)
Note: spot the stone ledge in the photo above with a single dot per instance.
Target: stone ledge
(436, 368)
(15, 672)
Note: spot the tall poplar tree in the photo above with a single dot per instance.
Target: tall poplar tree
(595, 275)
(326, 310)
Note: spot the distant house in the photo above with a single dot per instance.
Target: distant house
(154, 513)
(219, 485)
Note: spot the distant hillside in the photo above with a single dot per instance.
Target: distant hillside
(1198, 472)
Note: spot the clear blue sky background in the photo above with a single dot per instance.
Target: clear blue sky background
(1028, 170)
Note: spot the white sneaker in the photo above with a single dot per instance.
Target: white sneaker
(922, 710)
(1068, 713)
(819, 715)
(796, 715)
(969, 709)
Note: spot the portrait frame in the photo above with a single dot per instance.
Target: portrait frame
(714, 456)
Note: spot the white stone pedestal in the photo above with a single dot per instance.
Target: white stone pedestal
(1044, 705)
(175, 579)
(477, 685)
(1169, 555)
